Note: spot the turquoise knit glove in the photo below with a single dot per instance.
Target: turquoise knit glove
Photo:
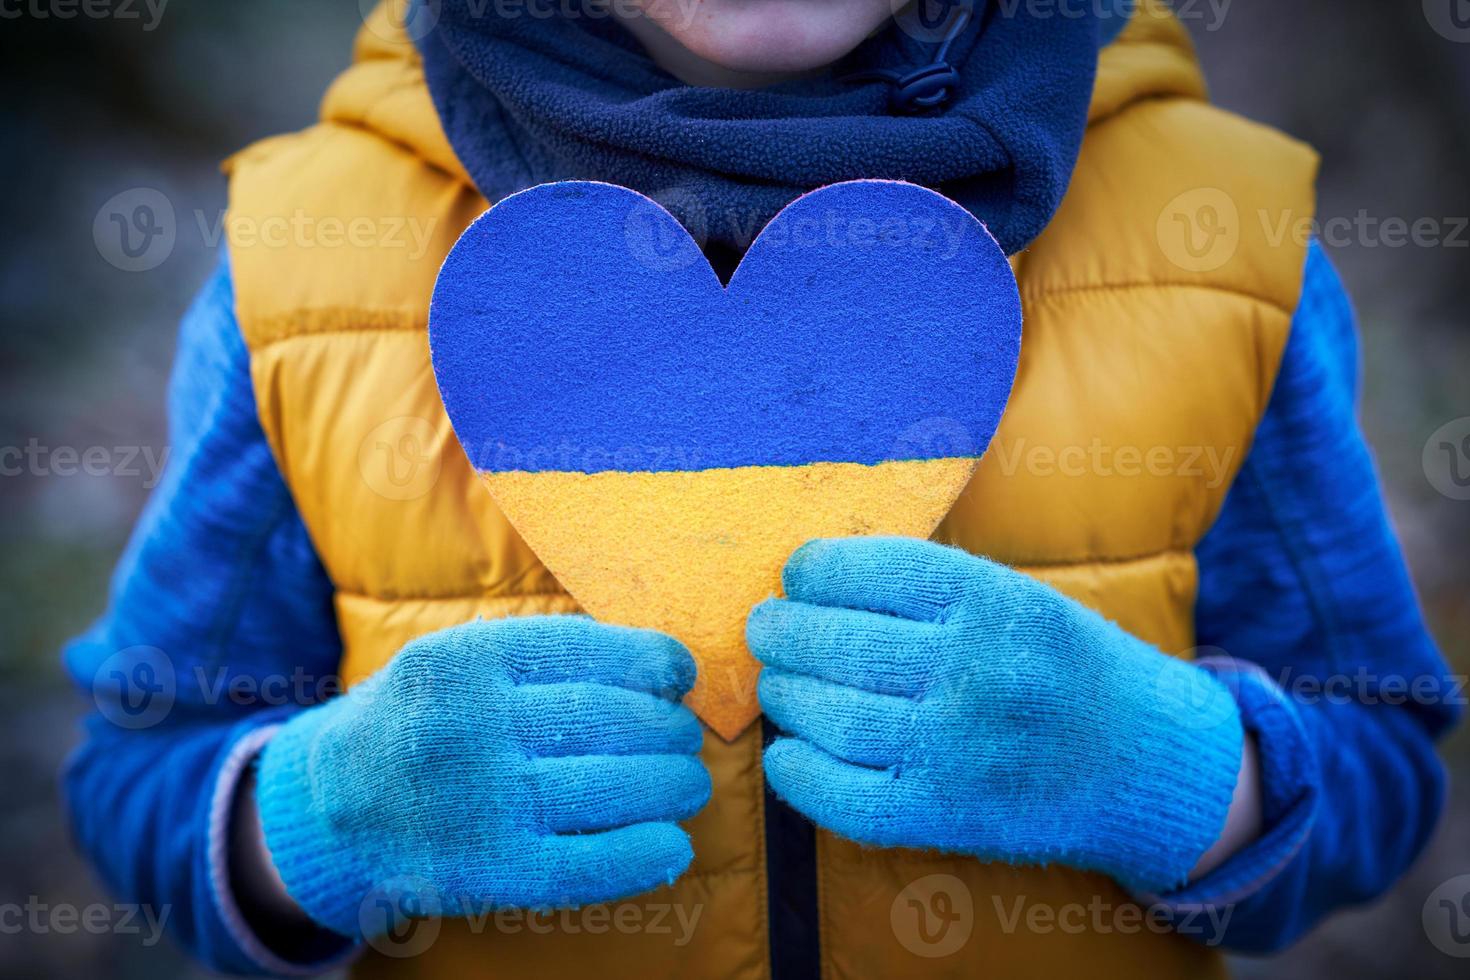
(527, 762)
(941, 700)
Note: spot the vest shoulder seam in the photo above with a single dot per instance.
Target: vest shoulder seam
(1105, 560)
(273, 336)
(1041, 293)
(1145, 102)
(401, 146)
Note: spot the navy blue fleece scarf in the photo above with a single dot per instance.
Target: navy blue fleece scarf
(528, 99)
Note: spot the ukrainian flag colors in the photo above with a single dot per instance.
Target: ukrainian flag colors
(663, 442)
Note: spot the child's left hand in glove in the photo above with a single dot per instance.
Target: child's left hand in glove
(937, 699)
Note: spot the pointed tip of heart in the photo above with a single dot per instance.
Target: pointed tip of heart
(691, 553)
(727, 720)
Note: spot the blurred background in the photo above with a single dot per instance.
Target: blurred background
(154, 95)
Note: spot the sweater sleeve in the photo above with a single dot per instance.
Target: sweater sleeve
(1307, 613)
(219, 626)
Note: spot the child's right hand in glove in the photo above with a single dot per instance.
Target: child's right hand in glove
(526, 762)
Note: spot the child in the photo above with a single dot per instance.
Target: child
(950, 742)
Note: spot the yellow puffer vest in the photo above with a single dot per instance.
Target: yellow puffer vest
(1156, 309)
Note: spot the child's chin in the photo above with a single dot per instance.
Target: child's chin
(766, 36)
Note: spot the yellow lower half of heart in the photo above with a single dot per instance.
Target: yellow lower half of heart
(690, 552)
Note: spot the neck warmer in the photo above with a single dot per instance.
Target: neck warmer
(542, 91)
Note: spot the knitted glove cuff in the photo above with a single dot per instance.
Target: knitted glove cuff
(319, 872)
(1176, 790)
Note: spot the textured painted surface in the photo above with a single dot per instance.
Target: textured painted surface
(577, 326)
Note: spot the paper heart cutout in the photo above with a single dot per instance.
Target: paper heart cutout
(663, 442)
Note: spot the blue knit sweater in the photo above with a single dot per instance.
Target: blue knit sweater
(1300, 579)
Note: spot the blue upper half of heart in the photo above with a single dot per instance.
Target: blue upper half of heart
(578, 327)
